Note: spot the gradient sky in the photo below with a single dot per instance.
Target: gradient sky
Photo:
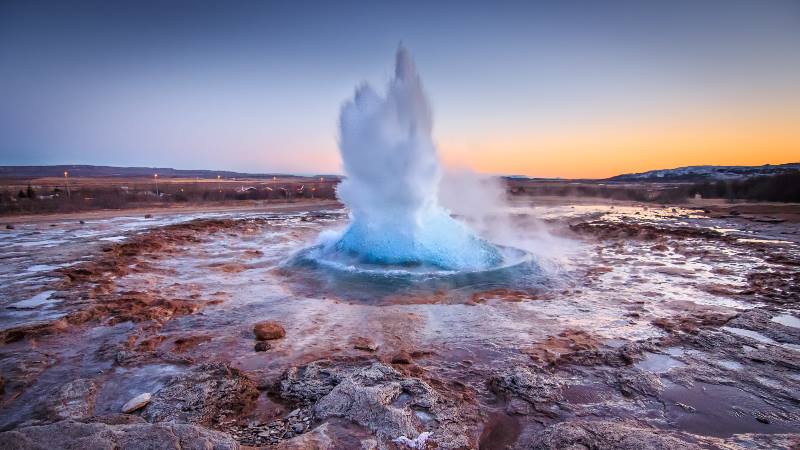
(556, 89)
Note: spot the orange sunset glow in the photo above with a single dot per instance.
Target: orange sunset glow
(606, 149)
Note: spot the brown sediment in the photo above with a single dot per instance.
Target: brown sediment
(19, 333)
(187, 342)
(418, 299)
(694, 318)
(502, 294)
(558, 349)
(90, 286)
(622, 230)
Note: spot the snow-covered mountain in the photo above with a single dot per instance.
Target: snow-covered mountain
(695, 173)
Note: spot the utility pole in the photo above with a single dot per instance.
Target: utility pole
(66, 183)
(155, 177)
(219, 184)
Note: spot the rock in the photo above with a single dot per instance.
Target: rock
(363, 343)
(268, 330)
(202, 395)
(136, 403)
(76, 435)
(638, 382)
(74, 400)
(366, 396)
(309, 383)
(380, 399)
(527, 391)
(82, 222)
(598, 435)
(9, 227)
(262, 346)
(148, 216)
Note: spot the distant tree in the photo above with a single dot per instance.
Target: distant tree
(30, 192)
(21, 194)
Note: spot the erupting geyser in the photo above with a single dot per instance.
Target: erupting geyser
(392, 177)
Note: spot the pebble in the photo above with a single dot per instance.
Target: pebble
(268, 330)
(136, 403)
(262, 346)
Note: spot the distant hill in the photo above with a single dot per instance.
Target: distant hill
(708, 173)
(110, 171)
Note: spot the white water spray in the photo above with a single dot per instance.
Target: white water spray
(393, 175)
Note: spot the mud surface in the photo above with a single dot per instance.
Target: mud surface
(651, 327)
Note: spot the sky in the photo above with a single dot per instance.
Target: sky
(574, 89)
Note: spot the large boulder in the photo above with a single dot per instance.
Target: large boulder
(528, 391)
(307, 384)
(382, 400)
(202, 395)
(69, 435)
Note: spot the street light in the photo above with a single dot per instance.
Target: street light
(219, 183)
(155, 176)
(66, 183)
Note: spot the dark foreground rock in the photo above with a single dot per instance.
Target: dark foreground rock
(526, 390)
(385, 402)
(603, 435)
(204, 395)
(71, 435)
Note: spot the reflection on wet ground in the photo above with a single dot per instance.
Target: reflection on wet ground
(660, 316)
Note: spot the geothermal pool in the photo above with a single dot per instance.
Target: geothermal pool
(660, 317)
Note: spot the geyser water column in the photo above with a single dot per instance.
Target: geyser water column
(392, 176)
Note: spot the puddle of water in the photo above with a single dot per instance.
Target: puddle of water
(787, 320)
(729, 364)
(500, 432)
(124, 384)
(40, 299)
(658, 363)
(41, 268)
(113, 238)
(720, 411)
(764, 241)
(674, 351)
(750, 333)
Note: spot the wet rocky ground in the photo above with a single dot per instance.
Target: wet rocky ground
(652, 327)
